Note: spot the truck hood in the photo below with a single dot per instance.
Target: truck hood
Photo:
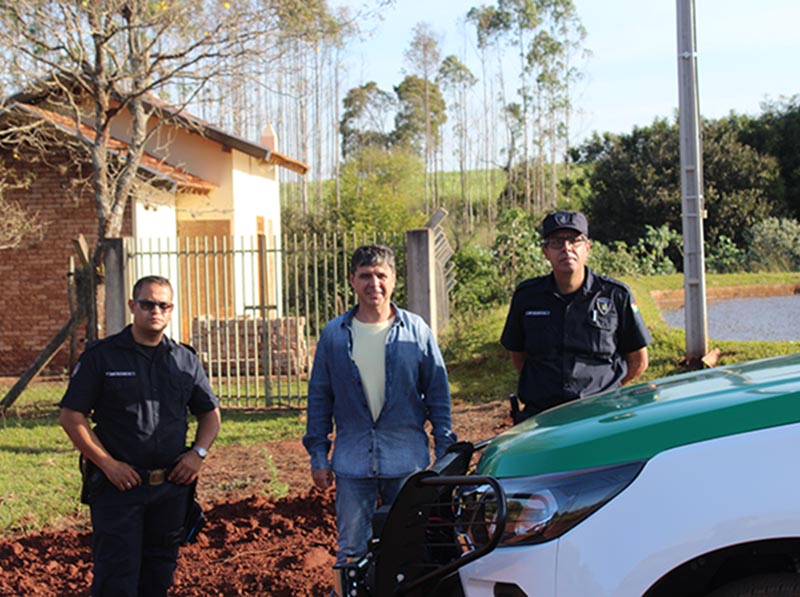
(638, 422)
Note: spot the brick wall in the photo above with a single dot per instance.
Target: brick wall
(34, 297)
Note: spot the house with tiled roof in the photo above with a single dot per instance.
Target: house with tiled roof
(194, 180)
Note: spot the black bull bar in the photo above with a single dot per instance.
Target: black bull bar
(428, 533)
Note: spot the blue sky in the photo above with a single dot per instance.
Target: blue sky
(747, 52)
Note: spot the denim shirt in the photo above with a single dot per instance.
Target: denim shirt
(416, 389)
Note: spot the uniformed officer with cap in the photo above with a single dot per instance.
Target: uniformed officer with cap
(572, 333)
(137, 386)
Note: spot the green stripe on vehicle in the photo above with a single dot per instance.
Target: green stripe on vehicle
(638, 422)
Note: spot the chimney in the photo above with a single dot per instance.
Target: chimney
(268, 137)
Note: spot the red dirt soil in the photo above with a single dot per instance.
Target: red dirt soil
(252, 544)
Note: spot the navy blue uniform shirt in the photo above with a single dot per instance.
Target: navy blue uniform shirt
(138, 397)
(574, 345)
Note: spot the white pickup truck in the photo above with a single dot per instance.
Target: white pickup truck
(686, 486)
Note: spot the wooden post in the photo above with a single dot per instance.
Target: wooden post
(116, 294)
(40, 362)
(72, 297)
(87, 298)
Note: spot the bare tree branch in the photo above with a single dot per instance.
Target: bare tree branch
(17, 225)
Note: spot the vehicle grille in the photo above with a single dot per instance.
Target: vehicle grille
(431, 531)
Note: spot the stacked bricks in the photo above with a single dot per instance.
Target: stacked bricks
(235, 344)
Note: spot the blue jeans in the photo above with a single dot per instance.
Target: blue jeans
(356, 502)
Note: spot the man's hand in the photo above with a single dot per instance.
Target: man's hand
(188, 464)
(122, 475)
(186, 468)
(637, 362)
(323, 478)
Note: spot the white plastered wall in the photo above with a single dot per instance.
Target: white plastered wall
(256, 194)
(155, 233)
(247, 188)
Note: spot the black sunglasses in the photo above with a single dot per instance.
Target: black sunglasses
(150, 305)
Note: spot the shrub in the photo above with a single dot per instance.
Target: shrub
(653, 250)
(613, 260)
(476, 283)
(650, 256)
(774, 245)
(517, 248)
(724, 257)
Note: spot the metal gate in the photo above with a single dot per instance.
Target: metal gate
(253, 308)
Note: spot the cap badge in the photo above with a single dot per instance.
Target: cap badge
(563, 218)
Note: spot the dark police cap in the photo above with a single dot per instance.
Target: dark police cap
(565, 220)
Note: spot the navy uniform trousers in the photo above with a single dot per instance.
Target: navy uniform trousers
(136, 535)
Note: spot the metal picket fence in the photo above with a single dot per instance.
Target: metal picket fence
(253, 309)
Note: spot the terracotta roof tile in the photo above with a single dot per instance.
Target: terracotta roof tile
(183, 180)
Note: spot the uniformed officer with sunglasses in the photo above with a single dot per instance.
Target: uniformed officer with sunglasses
(138, 387)
(573, 332)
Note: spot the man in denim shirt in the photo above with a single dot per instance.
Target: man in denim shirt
(378, 375)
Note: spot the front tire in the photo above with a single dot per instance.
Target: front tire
(765, 585)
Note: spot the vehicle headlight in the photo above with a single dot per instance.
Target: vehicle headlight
(543, 507)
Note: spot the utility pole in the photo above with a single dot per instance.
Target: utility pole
(693, 209)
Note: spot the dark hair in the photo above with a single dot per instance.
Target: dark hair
(160, 280)
(372, 255)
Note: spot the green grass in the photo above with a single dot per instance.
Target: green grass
(479, 368)
(675, 281)
(276, 488)
(39, 481)
(475, 180)
(251, 427)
